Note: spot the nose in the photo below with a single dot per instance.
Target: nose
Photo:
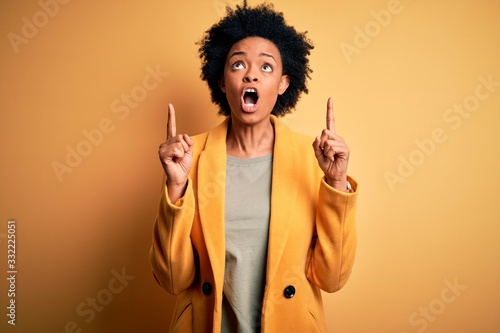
(250, 76)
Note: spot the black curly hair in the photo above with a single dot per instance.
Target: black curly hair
(261, 21)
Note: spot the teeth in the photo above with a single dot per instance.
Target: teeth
(250, 97)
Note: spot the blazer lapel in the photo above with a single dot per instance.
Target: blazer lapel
(211, 197)
(283, 195)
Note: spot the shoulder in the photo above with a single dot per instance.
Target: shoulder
(298, 145)
(200, 138)
(200, 141)
(214, 139)
(302, 139)
(283, 132)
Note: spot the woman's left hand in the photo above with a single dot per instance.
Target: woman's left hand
(332, 152)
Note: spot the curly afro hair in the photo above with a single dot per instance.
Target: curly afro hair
(261, 21)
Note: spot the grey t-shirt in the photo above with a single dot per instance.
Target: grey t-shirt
(247, 214)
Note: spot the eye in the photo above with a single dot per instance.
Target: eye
(267, 68)
(238, 65)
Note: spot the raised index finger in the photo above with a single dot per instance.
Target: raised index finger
(330, 119)
(171, 130)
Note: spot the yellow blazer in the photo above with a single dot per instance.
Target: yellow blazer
(312, 238)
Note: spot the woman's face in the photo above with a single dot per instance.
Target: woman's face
(253, 79)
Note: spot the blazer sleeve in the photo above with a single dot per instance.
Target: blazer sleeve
(171, 254)
(332, 252)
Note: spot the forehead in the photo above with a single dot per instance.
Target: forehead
(255, 46)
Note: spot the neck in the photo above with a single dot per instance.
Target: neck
(249, 141)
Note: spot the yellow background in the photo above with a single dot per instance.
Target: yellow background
(437, 225)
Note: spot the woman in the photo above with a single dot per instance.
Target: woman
(253, 221)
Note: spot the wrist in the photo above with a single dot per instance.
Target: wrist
(342, 184)
(174, 185)
(176, 191)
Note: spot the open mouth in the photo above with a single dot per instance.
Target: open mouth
(250, 98)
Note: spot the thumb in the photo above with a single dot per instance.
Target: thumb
(190, 143)
(316, 146)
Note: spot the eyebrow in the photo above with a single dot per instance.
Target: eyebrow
(244, 53)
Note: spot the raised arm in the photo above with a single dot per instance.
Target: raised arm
(172, 254)
(176, 156)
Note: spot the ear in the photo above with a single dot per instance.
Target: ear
(284, 83)
(222, 84)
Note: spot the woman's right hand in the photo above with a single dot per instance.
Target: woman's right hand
(176, 156)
